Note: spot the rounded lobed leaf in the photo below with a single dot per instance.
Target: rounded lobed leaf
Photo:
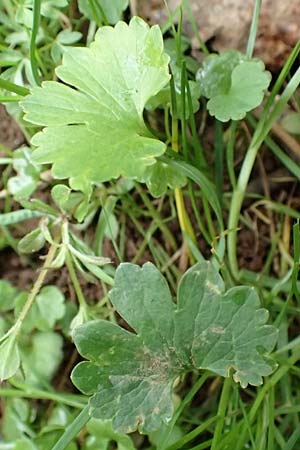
(233, 83)
(94, 121)
(249, 81)
(131, 375)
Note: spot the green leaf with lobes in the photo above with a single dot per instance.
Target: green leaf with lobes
(131, 375)
(95, 129)
(214, 76)
(233, 83)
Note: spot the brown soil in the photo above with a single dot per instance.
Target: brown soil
(225, 24)
(10, 134)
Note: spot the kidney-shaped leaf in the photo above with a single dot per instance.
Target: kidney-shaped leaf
(233, 83)
(214, 76)
(94, 121)
(132, 375)
(249, 81)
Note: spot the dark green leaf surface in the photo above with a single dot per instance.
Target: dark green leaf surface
(132, 375)
(96, 131)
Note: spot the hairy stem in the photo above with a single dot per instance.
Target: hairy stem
(33, 293)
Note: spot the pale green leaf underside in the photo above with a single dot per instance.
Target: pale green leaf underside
(9, 357)
(96, 131)
(131, 375)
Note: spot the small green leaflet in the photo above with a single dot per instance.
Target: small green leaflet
(111, 9)
(96, 131)
(160, 176)
(32, 242)
(132, 375)
(48, 308)
(41, 357)
(8, 295)
(25, 182)
(233, 83)
(102, 436)
(9, 357)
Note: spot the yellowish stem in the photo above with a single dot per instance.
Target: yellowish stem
(184, 221)
(38, 284)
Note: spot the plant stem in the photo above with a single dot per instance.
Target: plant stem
(98, 5)
(10, 98)
(219, 159)
(253, 29)
(273, 380)
(263, 128)
(38, 284)
(221, 413)
(199, 152)
(73, 429)
(6, 151)
(156, 216)
(184, 221)
(195, 27)
(230, 153)
(190, 395)
(33, 293)
(236, 204)
(74, 279)
(201, 226)
(12, 87)
(34, 393)
(187, 399)
(192, 434)
(95, 13)
(32, 47)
